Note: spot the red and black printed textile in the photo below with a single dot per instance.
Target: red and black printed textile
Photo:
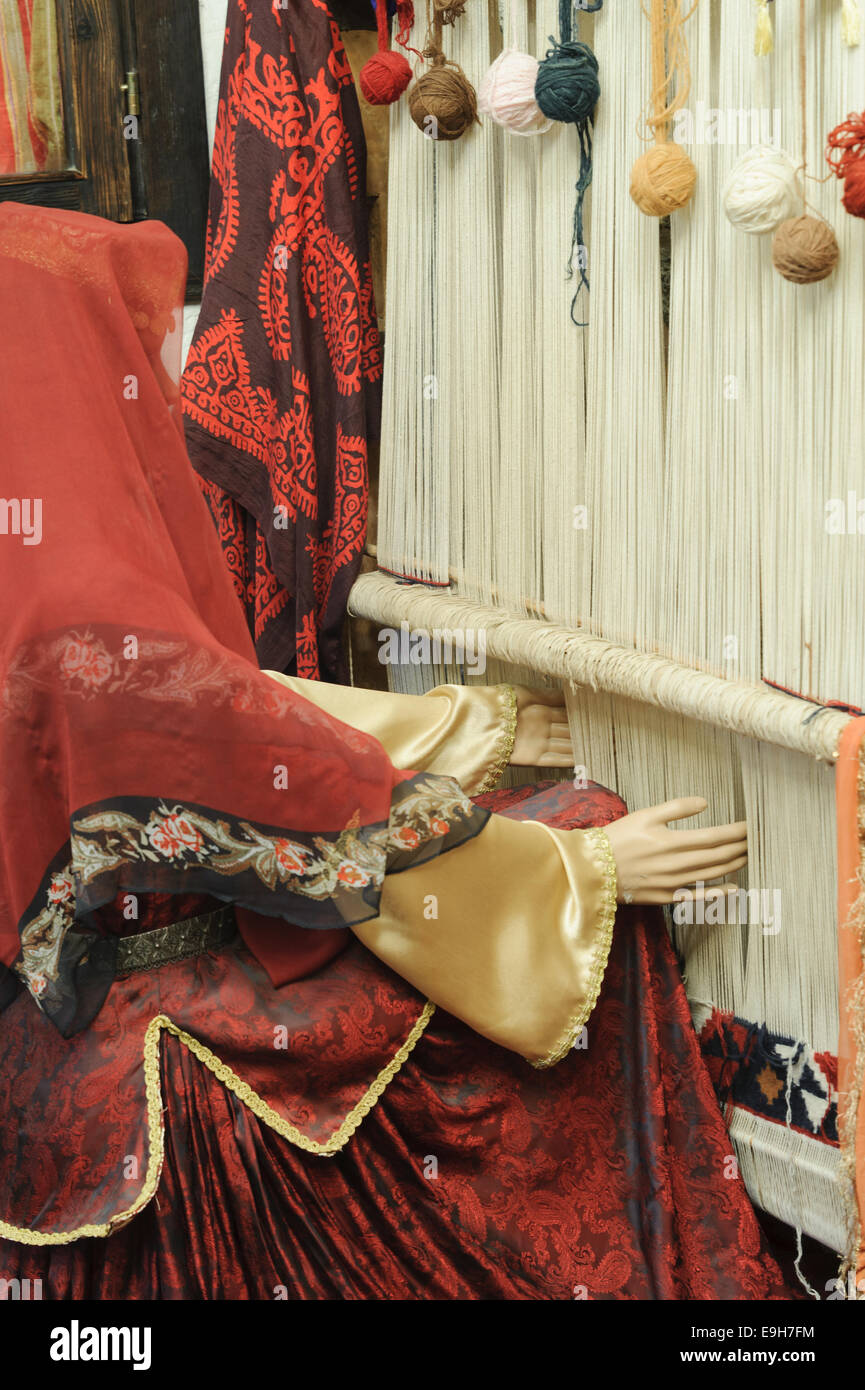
(282, 386)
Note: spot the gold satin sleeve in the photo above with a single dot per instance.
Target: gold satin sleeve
(510, 932)
(464, 732)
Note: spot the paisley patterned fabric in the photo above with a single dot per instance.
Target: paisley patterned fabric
(282, 383)
(474, 1176)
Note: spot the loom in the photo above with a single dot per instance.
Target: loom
(637, 509)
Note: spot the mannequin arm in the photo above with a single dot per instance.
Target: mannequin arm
(465, 732)
(510, 932)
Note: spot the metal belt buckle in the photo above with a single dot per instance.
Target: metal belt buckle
(178, 941)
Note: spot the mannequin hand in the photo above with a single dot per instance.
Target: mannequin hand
(543, 738)
(652, 861)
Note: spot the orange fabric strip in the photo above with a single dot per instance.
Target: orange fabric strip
(850, 972)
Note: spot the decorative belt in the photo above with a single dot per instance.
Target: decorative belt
(150, 949)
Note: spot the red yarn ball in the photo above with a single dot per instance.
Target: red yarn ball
(384, 77)
(854, 189)
(845, 155)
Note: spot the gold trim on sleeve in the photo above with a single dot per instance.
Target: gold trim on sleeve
(504, 746)
(156, 1129)
(599, 842)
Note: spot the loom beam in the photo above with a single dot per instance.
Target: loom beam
(585, 659)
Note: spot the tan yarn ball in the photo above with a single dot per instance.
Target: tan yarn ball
(442, 103)
(804, 250)
(662, 180)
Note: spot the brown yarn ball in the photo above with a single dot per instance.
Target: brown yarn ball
(804, 250)
(442, 103)
(662, 180)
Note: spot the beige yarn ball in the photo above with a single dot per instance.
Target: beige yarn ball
(804, 250)
(662, 180)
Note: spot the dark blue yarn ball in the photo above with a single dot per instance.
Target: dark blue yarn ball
(567, 86)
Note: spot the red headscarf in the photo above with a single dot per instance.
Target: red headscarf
(142, 750)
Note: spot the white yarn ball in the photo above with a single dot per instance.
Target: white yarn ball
(762, 190)
(507, 94)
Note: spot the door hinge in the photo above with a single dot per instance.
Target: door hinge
(130, 87)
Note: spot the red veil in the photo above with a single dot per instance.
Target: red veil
(142, 750)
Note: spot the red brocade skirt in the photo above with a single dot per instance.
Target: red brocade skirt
(472, 1176)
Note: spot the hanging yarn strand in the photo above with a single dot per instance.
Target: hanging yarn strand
(449, 11)
(671, 78)
(442, 102)
(567, 89)
(764, 40)
(664, 177)
(405, 23)
(385, 76)
(804, 248)
(803, 105)
(851, 22)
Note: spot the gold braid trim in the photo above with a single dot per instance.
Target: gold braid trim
(599, 842)
(244, 1093)
(504, 745)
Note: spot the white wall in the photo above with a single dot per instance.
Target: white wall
(211, 19)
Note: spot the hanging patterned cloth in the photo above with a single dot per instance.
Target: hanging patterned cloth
(282, 383)
(32, 138)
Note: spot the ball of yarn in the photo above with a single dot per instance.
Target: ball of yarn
(384, 77)
(762, 190)
(442, 103)
(567, 86)
(804, 250)
(845, 154)
(507, 94)
(853, 197)
(662, 180)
